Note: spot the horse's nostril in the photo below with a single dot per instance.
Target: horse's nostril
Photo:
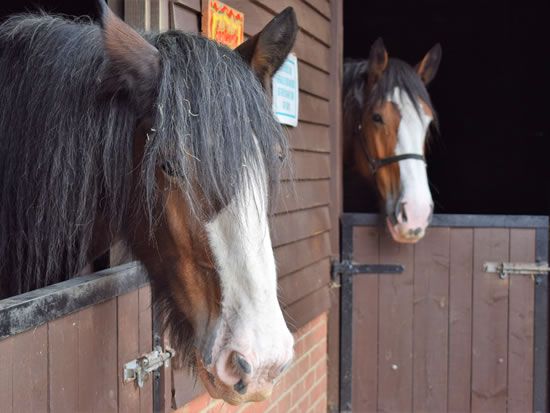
(241, 362)
(240, 387)
(402, 212)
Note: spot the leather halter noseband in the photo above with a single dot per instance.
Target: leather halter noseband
(376, 164)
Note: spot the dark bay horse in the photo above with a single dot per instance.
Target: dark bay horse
(387, 115)
(168, 142)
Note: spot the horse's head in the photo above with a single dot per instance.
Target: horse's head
(207, 150)
(391, 138)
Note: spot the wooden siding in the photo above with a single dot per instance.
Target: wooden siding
(75, 362)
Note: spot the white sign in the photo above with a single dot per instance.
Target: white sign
(286, 93)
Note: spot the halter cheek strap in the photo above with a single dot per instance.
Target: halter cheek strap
(376, 164)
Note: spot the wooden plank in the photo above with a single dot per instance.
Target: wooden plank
(313, 109)
(521, 325)
(365, 322)
(306, 47)
(314, 81)
(191, 4)
(184, 19)
(299, 225)
(395, 346)
(298, 255)
(460, 320)
(295, 286)
(309, 137)
(490, 323)
(302, 195)
(30, 371)
(322, 6)
(63, 363)
(302, 312)
(145, 343)
(136, 14)
(128, 348)
(6, 374)
(313, 23)
(97, 358)
(308, 165)
(431, 321)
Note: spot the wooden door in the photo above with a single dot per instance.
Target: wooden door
(444, 335)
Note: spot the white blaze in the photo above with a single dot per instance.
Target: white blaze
(411, 136)
(241, 244)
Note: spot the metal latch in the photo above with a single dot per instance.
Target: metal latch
(138, 370)
(504, 269)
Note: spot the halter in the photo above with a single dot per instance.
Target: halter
(376, 164)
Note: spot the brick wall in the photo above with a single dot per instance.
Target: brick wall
(302, 389)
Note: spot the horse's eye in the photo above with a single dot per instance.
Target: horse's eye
(168, 169)
(376, 117)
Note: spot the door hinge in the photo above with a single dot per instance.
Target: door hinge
(349, 268)
(139, 369)
(505, 269)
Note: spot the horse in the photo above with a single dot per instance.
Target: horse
(387, 116)
(166, 141)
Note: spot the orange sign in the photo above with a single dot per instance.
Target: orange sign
(223, 24)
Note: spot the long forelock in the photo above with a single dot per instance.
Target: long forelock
(214, 124)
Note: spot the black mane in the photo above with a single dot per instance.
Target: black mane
(397, 74)
(66, 151)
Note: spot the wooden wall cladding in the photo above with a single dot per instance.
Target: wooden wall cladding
(74, 363)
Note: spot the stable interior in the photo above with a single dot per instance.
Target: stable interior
(491, 94)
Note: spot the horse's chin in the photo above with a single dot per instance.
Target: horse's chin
(398, 237)
(219, 390)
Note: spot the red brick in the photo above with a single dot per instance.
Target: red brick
(197, 404)
(319, 352)
(321, 370)
(260, 407)
(309, 380)
(304, 405)
(283, 406)
(319, 390)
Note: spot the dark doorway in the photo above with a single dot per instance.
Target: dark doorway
(492, 95)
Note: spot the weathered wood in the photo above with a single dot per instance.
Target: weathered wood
(308, 165)
(128, 349)
(460, 320)
(314, 81)
(97, 358)
(395, 348)
(63, 364)
(431, 299)
(302, 195)
(310, 137)
(321, 6)
(30, 371)
(299, 225)
(184, 19)
(313, 109)
(365, 323)
(6, 374)
(293, 287)
(305, 310)
(490, 323)
(313, 23)
(145, 343)
(521, 325)
(299, 255)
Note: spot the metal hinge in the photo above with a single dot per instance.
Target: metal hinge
(349, 268)
(139, 369)
(505, 269)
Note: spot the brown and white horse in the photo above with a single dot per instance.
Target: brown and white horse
(168, 142)
(387, 115)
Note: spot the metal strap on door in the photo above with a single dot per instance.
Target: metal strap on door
(343, 273)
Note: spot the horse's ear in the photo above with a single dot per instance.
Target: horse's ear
(267, 50)
(427, 68)
(132, 64)
(378, 61)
